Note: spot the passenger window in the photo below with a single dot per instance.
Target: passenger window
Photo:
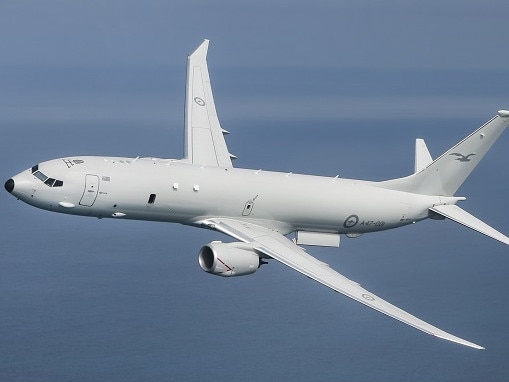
(151, 198)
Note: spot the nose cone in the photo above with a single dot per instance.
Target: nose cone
(9, 185)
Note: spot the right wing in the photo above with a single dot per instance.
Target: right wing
(204, 140)
(270, 243)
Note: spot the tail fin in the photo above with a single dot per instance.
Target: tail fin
(448, 172)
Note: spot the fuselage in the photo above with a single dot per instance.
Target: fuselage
(176, 191)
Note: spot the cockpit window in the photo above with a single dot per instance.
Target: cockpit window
(41, 176)
(50, 182)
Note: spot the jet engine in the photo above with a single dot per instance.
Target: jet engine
(229, 259)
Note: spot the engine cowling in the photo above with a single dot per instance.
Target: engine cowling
(228, 259)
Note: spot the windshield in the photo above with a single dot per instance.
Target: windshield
(50, 182)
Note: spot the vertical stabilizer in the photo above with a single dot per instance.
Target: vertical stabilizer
(448, 172)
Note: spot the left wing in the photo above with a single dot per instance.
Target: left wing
(267, 242)
(204, 140)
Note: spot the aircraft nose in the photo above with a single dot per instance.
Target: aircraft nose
(9, 185)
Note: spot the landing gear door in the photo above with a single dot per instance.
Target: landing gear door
(91, 190)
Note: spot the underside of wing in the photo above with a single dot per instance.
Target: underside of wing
(204, 137)
(270, 243)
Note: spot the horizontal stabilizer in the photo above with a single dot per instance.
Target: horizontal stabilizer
(461, 216)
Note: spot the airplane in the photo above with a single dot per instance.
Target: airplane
(260, 209)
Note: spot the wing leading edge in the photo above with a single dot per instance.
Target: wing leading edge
(271, 243)
(204, 137)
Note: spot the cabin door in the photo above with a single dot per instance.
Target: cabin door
(91, 190)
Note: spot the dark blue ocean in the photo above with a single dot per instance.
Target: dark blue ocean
(83, 299)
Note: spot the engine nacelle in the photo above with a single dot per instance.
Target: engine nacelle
(228, 259)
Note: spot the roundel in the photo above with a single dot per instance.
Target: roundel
(351, 221)
(199, 101)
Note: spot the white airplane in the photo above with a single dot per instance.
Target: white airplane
(259, 208)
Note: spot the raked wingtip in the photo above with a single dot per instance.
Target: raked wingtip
(460, 341)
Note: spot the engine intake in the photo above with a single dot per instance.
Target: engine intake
(228, 259)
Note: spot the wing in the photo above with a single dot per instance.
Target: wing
(204, 137)
(271, 243)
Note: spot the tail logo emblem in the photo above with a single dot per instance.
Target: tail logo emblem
(463, 158)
